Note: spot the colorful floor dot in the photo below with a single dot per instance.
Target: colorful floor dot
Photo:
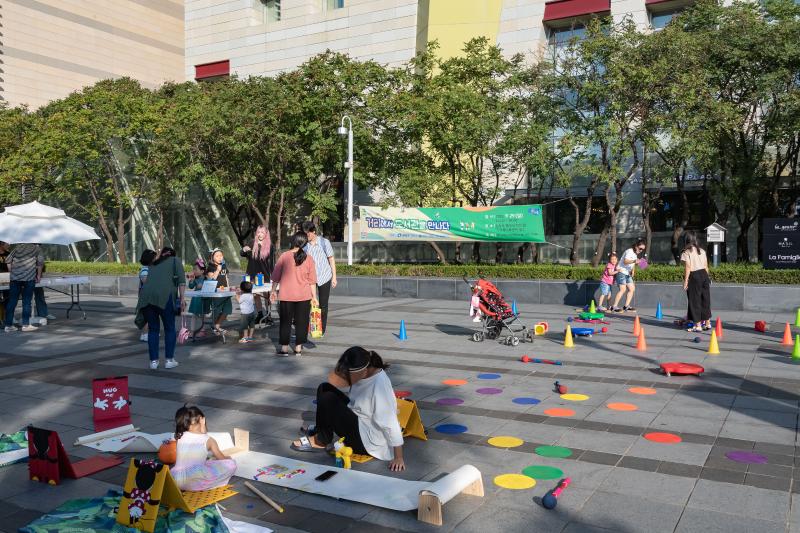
(514, 481)
(747, 457)
(488, 376)
(553, 451)
(622, 406)
(543, 472)
(663, 438)
(402, 393)
(449, 401)
(559, 411)
(454, 382)
(642, 390)
(574, 397)
(506, 442)
(526, 401)
(489, 390)
(451, 429)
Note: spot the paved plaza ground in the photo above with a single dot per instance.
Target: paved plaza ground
(621, 481)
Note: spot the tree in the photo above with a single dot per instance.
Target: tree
(15, 126)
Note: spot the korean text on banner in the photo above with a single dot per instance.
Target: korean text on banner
(514, 223)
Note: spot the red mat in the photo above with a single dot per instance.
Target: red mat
(682, 368)
(95, 464)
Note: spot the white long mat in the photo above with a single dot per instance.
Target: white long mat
(372, 489)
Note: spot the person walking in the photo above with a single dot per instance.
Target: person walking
(626, 270)
(696, 283)
(25, 264)
(294, 284)
(321, 250)
(40, 304)
(157, 305)
(260, 260)
(5, 248)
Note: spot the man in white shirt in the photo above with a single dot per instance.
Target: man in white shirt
(321, 250)
(624, 278)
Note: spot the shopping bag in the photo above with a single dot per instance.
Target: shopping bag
(315, 323)
(183, 334)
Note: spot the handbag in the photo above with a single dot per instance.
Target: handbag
(183, 334)
(315, 322)
(175, 280)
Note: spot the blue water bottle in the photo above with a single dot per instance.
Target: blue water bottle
(259, 279)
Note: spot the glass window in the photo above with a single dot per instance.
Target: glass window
(660, 19)
(334, 4)
(272, 10)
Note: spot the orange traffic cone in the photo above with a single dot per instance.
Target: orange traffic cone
(787, 335)
(641, 344)
(636, 326)
(718, 328)
(713, 346)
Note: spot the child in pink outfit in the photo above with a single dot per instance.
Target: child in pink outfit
(607, 280)
(193, 471)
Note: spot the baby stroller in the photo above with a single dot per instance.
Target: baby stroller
(496, 315)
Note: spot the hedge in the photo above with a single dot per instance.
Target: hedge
(727, 273)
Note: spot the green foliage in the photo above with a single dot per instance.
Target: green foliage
(729, 273)
(97, 269)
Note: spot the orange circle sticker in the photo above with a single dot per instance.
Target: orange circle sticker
(454, 382)
(559, 411)
(663, 438)
(620, 406)
(642, 390)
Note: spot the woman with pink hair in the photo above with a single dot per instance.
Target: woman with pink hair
(260, 260)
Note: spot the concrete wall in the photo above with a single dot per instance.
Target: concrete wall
(724, 297)
(51, 48)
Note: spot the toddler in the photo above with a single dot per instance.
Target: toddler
(475, 304)
(247, 307)
(193, 471)
(607, 280)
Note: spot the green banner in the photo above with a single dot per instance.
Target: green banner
(513, 223)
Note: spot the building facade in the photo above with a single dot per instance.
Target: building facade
(51, 48)
(265, 37)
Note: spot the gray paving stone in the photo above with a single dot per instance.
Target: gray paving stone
(649, 485)
(629, 513)
(705, 521)
(740, 500)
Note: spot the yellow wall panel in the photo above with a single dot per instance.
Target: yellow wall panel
(454, 22)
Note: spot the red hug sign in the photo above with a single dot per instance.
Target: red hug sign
(110, 403)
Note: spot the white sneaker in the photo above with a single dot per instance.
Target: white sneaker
(154, 365)
(143, 337)
(477, 318)
(10, 329)
(171, 363)
(50, 317)
(29, 328)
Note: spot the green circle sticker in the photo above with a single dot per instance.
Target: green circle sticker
(553, 451)
(543, 472)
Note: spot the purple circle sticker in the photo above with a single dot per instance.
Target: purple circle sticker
(449, 401)
(489, 390)
(747, 457)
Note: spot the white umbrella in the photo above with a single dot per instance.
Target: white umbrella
(42, 224)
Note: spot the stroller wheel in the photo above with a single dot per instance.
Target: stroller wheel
(477, 336)
(514, 341)
(529, 336)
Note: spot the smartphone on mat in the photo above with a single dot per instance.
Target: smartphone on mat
(325, 476)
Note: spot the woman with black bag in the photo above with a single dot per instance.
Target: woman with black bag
(160, 300)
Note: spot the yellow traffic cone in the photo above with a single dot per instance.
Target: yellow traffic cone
(796, 350)
(592, 308)
(568, 343)
(713, 347)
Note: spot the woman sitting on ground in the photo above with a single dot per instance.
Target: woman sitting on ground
(367, 419)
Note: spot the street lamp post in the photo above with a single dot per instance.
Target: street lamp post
(349, 166)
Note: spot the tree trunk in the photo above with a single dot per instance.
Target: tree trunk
(498, 256)
(121, 252)
(581, 222)
(601, 245)
(278, 224)
(534, 253)
(683, 220)
(160, 227)
(742, 240)
(521, 252)
(439, 253)
(457, 254)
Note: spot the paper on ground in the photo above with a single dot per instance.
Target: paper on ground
(14, 456)
(236, 526)
(373, 489)
(132, 441)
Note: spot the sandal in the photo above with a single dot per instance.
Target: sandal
(305, 446)
(298, 353)
(695, 329)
